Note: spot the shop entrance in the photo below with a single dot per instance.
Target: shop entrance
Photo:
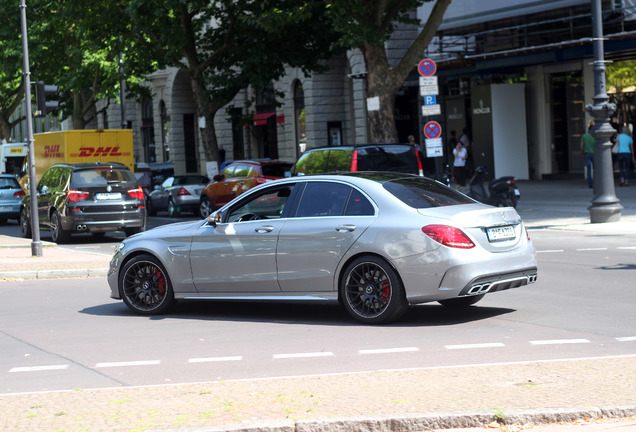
(568, 121)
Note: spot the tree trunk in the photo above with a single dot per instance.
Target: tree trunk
(381, 121)
(78, 111)
(5, 129)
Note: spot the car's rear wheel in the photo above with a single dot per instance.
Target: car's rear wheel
(149, 208)
(205, 207)
(173, 209)
(58, 234)
(372, 292)
(25, 224)
(461, 302)
(145, 286)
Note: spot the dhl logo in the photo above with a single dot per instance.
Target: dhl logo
(52, 151)
(99, 151)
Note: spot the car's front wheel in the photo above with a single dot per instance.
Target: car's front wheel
(145, 286)
(25, 224)
(205, 207)
(372, 292)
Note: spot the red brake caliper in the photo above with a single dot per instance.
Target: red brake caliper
(161, 282)
(386, 290)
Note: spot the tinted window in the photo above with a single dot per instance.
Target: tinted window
(420, 192)
(323, 199)
(359, 205)
(278, 170)
(400, 158)
(52, 178)
(340, 160)
(242, 171)
(9, 183)
(312, 162)
(266, 205)
(101, 177)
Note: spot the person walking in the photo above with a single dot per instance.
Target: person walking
(459, 165)
(587, 151)
(625, 155)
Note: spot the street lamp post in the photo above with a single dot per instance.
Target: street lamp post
(605, 205)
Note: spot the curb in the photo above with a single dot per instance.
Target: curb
(419, 422)
(54, 274)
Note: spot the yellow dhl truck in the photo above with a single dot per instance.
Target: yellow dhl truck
(82, 145)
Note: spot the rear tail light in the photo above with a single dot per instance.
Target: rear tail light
(137, 193)
(73, 195)
(260, 180)
(19, 193)
(354, 161)
(448, 236)
(183, 191)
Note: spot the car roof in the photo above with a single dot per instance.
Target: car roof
(261, 161)
(86, 165)
(357, 146)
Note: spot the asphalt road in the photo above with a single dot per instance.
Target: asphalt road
(66, 334)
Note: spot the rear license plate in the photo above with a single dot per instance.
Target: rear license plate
(108, 196)
(500, 233)
(6, 208)
(517, 193)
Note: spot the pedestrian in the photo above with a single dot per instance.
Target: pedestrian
(625, 155)
(459, 165)
(587, 152)
(466, 142)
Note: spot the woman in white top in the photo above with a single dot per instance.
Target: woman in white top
(459, 164)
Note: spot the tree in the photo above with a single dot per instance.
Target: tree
(621, 75)
(225, 46)
(367, 25)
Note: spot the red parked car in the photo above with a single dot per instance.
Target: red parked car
(238, 177)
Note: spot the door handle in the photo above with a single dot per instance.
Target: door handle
(345, 227)
(264, 229)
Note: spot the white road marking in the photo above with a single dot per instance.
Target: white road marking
(550, 251)
(480, 345)
(559, 341)
(388, 350)
(626, 339)
(627, 247)
(303, 355)
(591, 249)
(38, 368)
(215, 359)
(129, 363)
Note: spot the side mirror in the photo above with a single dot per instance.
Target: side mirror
(215, 218)
(217, 177)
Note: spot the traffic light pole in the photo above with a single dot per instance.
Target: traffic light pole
(36, 244)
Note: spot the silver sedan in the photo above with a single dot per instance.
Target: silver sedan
(375, 242)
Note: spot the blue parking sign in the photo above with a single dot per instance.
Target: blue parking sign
(430, 100)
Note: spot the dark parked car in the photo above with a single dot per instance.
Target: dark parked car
(11, 194)
(402, 158)
(238, 177)
(86, 197)
(177, 194)
(375, 242)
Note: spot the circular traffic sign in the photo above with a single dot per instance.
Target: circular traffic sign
(427, 67)
(432, 130)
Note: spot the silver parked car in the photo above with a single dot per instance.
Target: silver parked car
(177, 194)
(375, 242)
(11, 194)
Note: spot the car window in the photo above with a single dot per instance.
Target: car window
(242, 171)
(9, 183)
(52, 178)
(359, 205)
(228, 171)
(312, 162)
(419, 192)
(167, 182)
(101, 177)
(400, 158)
(323, 199)
(277, 170)
(268, 204)
(340, 160)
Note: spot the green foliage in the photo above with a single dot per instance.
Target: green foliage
(621, 75)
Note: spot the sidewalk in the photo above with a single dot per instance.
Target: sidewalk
(587, 395)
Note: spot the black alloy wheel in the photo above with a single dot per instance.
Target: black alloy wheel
(25, 224)
(145, 286)
(372, 291)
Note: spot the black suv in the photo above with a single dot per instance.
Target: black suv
(86, 197)
(370, 157)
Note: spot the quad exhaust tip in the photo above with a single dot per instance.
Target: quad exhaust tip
(502, 284)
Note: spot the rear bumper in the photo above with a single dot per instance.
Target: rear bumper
(104, 223)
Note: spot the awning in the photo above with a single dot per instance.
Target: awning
(261, 119)
(280, 118)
